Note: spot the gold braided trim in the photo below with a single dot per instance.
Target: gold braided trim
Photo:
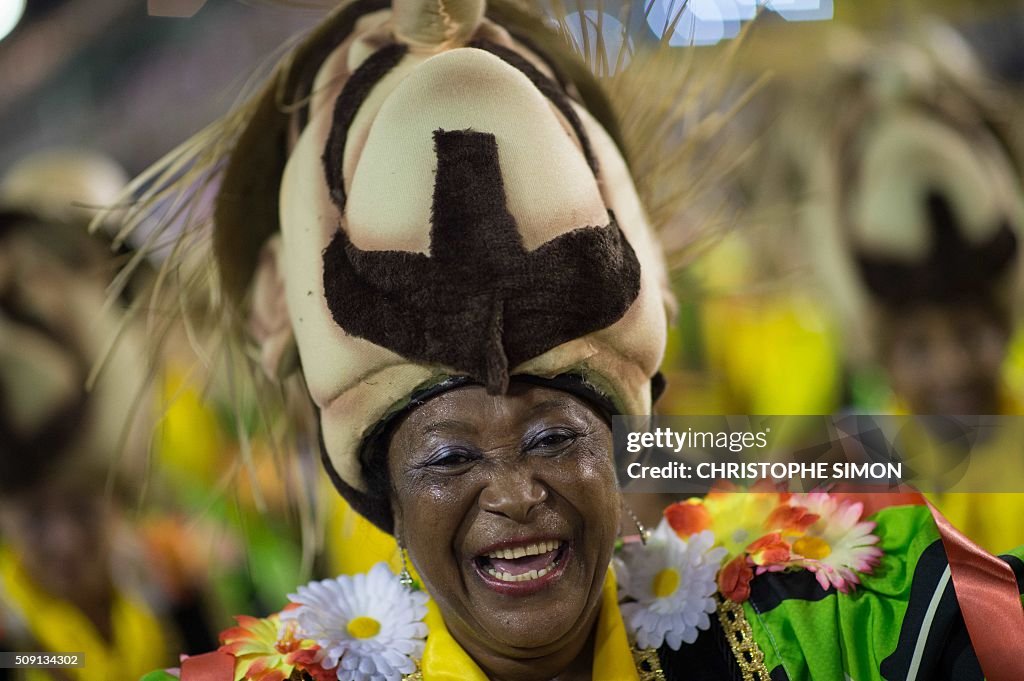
(415, 676)
(748, 654)
(648, 666)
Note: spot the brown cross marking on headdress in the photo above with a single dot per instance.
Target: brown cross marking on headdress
(954, 270)
(480, 303)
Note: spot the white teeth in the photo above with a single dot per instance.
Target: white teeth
(521, 551)
(525, 577)
(536, 549)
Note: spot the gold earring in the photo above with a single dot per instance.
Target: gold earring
(642, 531)
(404, 577)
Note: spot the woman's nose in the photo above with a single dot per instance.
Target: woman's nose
(513, 491)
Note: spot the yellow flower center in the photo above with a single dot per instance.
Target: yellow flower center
(665, 583)
(814, 548)
(363, 627)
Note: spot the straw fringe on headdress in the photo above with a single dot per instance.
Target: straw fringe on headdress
(660, 136)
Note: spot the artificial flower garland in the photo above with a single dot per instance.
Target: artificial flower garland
(366, 627)
(721, 542)
(369, 627)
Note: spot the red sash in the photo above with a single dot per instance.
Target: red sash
(989, 600)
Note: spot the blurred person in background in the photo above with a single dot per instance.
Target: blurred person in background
(74, 572)
(913, 205)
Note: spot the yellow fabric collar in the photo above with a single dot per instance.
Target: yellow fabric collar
(444, 660)
(139, 645)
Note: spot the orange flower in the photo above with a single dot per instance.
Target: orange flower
(790, 519)
(688, 517)
(734, 579)
(769, 549)
(303, 654)
(263, 652)
(736, 518)
(308, 660)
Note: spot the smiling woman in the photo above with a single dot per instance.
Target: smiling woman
(428, 208)
(509, 508)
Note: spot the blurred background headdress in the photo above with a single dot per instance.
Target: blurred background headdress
(913, 182)
(56, 324)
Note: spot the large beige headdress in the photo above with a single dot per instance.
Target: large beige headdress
(450, 210)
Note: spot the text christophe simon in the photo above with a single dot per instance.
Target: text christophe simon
(667, 439)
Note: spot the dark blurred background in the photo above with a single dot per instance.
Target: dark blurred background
(106, 74)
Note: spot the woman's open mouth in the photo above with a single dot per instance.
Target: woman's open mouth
(522, 568)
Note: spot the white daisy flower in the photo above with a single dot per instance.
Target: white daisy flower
(369, 626)
(667, 587)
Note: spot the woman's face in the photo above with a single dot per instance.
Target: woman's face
(946, 360)
(509, 509)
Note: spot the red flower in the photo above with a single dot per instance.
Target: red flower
(734, 579)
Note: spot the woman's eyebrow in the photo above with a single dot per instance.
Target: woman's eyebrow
(445, 426)
(550, 404)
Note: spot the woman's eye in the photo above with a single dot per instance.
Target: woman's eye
(555, 439)
(450, 458)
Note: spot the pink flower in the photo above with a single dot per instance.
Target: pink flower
(839, 545)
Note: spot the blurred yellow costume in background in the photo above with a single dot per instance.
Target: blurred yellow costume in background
(73, 574)
(138, 643)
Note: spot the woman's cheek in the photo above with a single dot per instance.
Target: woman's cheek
(589, 484)
(433, 509)
(594, 469)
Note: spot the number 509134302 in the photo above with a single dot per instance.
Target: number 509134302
(41, 660)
